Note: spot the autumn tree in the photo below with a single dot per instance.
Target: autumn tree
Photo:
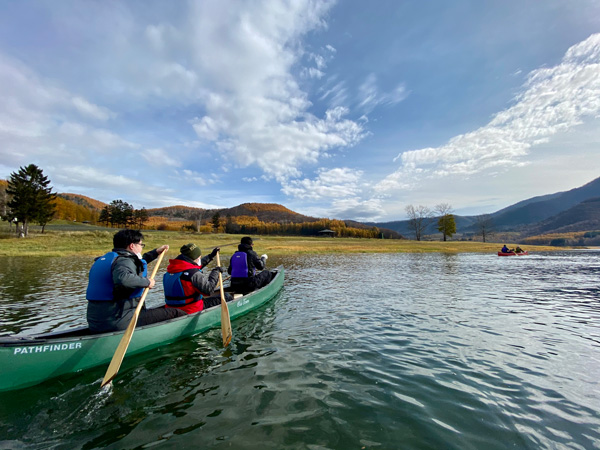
(446, 223)
(32, 197)
(485, 226)
(419, 218)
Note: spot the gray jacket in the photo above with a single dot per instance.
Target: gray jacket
(103, 316)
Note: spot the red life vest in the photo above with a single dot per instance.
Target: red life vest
(179, 290)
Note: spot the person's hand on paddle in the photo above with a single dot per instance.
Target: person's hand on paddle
(214, 252)
(152, 283)
(162, 248)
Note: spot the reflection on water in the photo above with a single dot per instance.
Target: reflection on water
(417, 351)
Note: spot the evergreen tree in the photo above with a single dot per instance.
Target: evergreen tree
(104, 215)
(140, 217)
(32, 197)
(120, 212)
(216, 222)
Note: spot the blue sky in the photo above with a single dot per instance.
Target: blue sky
(347, 110)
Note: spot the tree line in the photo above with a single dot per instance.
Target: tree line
(27, 197)
(119, 213)
(420, 218)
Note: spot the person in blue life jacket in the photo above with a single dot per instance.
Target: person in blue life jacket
(116, 283)
(186, 287)
(505, 249)
(243, 267)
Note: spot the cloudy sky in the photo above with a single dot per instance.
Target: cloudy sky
(347, 109)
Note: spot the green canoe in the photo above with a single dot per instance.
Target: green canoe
(30, 360)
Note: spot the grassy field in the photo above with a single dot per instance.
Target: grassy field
(67, 240)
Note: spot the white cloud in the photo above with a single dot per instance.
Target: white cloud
(91, 110)
(553, 100)
(256, 112)
(159, 157)
(370, 97)
(332, 184)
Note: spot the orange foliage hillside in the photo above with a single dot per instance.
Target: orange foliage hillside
(83, 200)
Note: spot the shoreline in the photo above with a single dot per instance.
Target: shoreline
(95, 243)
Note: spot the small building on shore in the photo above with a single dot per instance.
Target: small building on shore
(327, 233)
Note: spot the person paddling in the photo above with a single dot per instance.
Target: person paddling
(116, 283)
(186, 287)
(243, 266)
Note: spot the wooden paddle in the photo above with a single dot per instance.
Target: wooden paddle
(117, 358)
(225, 320)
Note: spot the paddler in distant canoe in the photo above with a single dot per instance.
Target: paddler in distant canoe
(116, 283)
(186, 287)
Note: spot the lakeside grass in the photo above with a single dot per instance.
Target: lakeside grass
(97, 242)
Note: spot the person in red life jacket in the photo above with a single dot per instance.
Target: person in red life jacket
(186, 287)
(116, 283)
(243, 266)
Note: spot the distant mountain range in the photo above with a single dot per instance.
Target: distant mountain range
(569, 211)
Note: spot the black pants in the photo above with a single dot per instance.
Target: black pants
(215, 300)
(148, 316)
(246, 285)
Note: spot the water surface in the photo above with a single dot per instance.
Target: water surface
(411, 351)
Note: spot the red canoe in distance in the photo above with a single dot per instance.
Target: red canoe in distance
(512, 253)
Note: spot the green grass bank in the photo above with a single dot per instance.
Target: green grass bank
(62, 240)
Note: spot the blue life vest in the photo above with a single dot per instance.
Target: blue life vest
(100, 284)
(179, 290)
(239, 265)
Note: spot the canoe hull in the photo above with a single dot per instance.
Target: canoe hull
(31, 360)
(512, 253)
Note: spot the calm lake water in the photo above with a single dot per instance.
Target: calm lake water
(391, 351)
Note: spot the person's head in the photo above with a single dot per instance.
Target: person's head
(191, 251)
(247, 240)
(129, 239)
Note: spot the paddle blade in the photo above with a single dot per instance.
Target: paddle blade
(115, 363)
(225, 319)
(225, 323)
(117, 359)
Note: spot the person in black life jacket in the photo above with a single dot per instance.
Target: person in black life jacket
(186, 287)
(116, 283)
(243, 266)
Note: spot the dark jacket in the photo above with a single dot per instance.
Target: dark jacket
(254, 262)
(126, 272)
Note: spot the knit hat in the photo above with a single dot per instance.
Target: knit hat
(191, 251)
(246, 240)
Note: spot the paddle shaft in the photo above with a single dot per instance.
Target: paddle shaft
(117, 358)
(225, 319)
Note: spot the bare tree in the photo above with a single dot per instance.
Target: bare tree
(485, 226)
(419, 218)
